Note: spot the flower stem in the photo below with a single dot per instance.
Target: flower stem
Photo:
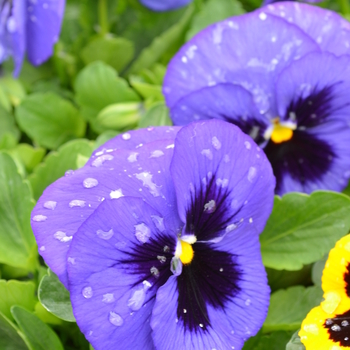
(103, 16)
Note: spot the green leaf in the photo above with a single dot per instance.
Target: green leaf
(302, 228)
(30, 156)
(146, 90)
(317, 271)
(117, 52)
(16, 293)
(163, 43)
(274, 341)
(39, 336)
(98, 86)
(288, 307)
(18, 247)
(9, 335)
(57, 163)
(214, 11)
(157, 115)
(13, 89)
(49, 119)
(119, 116)
(45, 315)
(295, 343)
(7, 126)
(55, 297)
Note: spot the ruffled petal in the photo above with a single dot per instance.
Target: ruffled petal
(218, 52)
(118, 259)
(230, 317)
(223, 181)
(44, 19)
(164, 5)
(228, 102)
(327, 28)
(142, 173)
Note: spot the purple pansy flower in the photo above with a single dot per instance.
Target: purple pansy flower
(164, 5)
(282, 74)
(159, 232)
(29, 26)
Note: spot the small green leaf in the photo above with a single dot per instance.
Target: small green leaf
(39, 336)
(18, 245)
(45, 315)
(163, 43)
(10, 338)
(55, 297)
(288, 307)
(98, 86)
(16, 293)
(57, 163)
(49, 119)
(146, 90)
(29, 155)
(13, 89)
(317, 271)
(214, 11)
(274, 341)
(7, 125)
(119, 116)
(157, 115)
(117, 52)
(302, 228)
(295, 343)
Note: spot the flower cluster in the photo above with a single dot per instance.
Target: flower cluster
(282, 74)
(30, 27)
(157, 238)
(327, 327)
(164, 5)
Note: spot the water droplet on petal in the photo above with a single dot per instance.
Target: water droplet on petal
(154, 271)
(126, 136)
(100, 160)
(252, 174)
(158, 222)
(247, 145)
(137, 299)
(176, 266)
(133, 157)
(71, 260)
(207, 153)
(216, 143)
(210, 207)
(230, 228)
(105, 234)
(115, 319)
(262, 16)
(50, 205)
(87, 292)
(90, 182)
(336, 328)
(161, 259)
(77, 203)
(116, 194)
(157, 154)
(42, 248)
(146, 179)
(248, 302)
(69, 173)
(39, 218)
(62, 237)
(170, 146)
(226, 158)
(108, 298)
(250, 220)
(142, 233)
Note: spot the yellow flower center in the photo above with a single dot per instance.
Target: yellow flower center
(186, 253)
(281, 133)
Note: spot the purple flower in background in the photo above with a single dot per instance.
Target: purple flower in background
(159, 233)
(282, 74)
(267, 2)
(164, 5)
(29, 26)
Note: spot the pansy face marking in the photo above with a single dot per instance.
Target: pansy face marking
(289, 93)
(176, 268)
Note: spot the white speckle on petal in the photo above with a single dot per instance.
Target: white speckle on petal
(252, 174)
(146, 179)
(170, 146)
(71, 260)
(42, 248)
(39, 218)
(158, 222)
(116, 194)
(77, 203)
(11, 25)
(142, 233)
(247, 145)
(262, 16)
(126, 136)
(115, 319)
(106, 235)
(133, 157)
(210, 207)
(87, 292)
(100, 160)
(62, 237)
(207, 153)
(90, 182)
(108, 298)
(154, 271)
(230, 228)
(216, 143)
(156, 154)
(222, 182)
(50, 205)
(251, 220)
